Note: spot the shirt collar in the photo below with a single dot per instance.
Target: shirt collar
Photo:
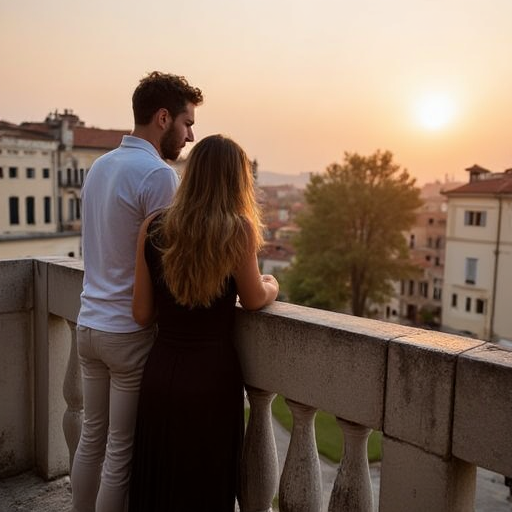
(130, 141)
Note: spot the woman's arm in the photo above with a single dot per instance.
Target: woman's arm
(254, 289)
(143, 309)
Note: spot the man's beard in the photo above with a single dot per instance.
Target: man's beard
(169, 145)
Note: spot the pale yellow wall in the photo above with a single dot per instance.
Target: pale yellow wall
(454, 282)
(456, 227)
(478, 242)
(80, 158)
(23, 153)
(503, 312)
(51, 246)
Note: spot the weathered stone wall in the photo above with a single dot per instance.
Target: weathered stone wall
(16, 367)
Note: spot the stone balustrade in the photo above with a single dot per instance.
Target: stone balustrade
(441, 401)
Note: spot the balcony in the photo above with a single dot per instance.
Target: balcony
(70, 180)
(441, 401)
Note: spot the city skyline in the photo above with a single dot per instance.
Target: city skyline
(296, 83)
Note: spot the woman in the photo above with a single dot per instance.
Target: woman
(192, 262)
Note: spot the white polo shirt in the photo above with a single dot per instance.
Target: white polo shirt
(121, 189)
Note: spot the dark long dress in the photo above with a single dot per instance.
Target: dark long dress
(189, 430)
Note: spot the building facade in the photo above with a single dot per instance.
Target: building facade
(42, 168)
(27, 177)
(418, 300)
(478, 265)
(280, 206)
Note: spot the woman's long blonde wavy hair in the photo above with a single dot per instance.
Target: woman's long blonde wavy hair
(211, 224)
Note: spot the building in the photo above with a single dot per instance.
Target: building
(478, 264)
(418, 300)
(27, 190)
(79, 146)
(275, 257)
(280, 206)
(42, 168)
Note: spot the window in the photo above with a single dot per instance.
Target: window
(14, 217)
(411, 287)
(429, 242)
(438, 261)
(31, 172)
(480, 306)
(411, 242)
(71, 209)
(1, 172)
(471, 270)
(428, 257)
(439, 242)
(437, 295)
(475, 218)
(454, 300)
(46, 173)
(29, 204)
(468, 304)
(402, 287)
(424, 289)
(47, 210)
(431, 221)
(13, 172)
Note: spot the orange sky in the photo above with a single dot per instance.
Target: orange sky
(296, 82)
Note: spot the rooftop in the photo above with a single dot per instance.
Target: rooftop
(85, 137)
(496, 184)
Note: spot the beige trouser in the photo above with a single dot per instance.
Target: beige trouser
(112, 366)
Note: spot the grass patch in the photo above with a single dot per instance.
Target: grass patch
(329, 436)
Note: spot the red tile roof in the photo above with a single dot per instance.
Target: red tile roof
(23, 132)
(37, 127)
(84, 137)
(501, 184)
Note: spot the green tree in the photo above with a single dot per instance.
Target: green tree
(351, 244)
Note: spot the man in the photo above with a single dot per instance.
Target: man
(121, 189)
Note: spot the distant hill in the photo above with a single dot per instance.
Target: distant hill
(266, 178)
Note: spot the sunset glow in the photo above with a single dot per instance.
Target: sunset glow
(435, 111)
(294, 84)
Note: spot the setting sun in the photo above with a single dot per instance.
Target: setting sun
(435, 111)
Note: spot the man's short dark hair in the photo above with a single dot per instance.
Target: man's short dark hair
(163, 90)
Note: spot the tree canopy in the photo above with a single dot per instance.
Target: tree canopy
(351, 245)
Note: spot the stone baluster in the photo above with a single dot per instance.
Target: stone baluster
(352, 491)
(300, 489)
(72, 391)
(260, 467)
